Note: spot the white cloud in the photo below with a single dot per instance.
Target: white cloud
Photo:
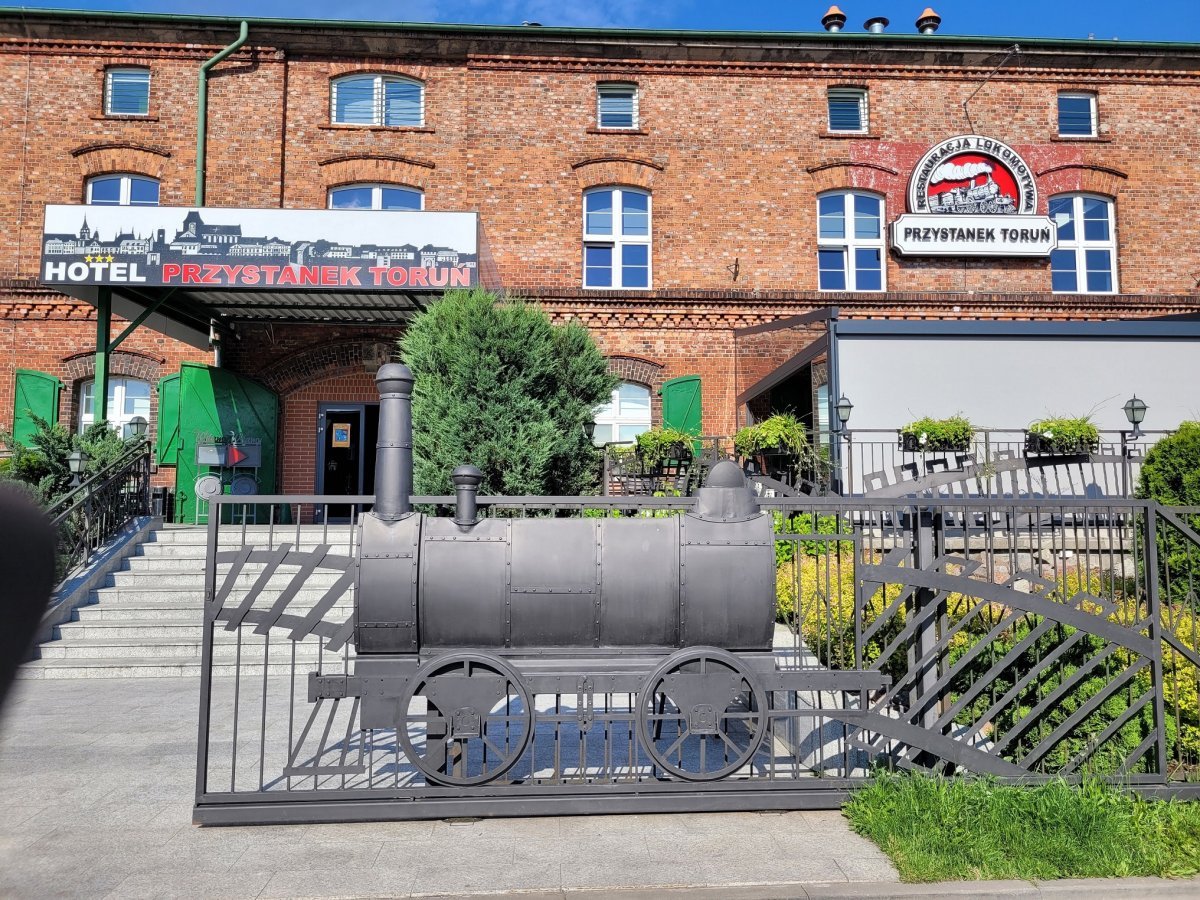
(952, 172)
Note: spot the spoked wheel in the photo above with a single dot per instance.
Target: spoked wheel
(477, 723)
(702, 714)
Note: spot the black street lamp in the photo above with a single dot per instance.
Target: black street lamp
(76, 463)
(589, 428)
(1135, 412)
(138, 426)
(843, 409)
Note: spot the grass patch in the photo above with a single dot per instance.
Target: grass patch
(942, 829)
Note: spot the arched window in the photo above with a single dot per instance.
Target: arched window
(377, 100)
(375, 196)
(616, 238)
(122, 190)
(625, 416)
(1086, 259)
(850, 242)
(128, 398)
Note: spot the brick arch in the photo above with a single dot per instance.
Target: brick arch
(1076, 178)
(325, 361)
(105, 159)
(643, 371)
(399, 170)
(847, 174)
(602, 170)
(81, 367)
(413, 73)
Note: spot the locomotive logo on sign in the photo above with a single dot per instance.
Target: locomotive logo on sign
(973, 196)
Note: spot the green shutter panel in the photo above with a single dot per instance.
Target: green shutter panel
(168, 420)
(36, 395)
(681, 404)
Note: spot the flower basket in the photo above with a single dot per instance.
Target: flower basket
(953, 435)
(1062, 437)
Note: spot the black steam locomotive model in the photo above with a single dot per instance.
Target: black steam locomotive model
(463, 622)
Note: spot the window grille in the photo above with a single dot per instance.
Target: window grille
(848, 109)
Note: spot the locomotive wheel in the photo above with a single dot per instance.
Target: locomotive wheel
(478, 719)
(702, 714)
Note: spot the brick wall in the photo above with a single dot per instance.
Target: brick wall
(731, 144)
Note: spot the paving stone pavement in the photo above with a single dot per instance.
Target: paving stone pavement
(96, 786)
(96, 783)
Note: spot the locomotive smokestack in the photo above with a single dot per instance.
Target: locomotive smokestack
(393, 452)
(466, 480)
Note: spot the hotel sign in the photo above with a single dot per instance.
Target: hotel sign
(973, 196)
(259, 249)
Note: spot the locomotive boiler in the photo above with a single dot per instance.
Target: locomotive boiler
(462, 622)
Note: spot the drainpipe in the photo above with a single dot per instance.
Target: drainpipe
(202, 107)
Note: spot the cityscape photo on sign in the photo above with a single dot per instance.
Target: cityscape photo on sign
(973, 196)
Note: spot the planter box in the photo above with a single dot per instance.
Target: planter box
(1038, 445)
(910, 443)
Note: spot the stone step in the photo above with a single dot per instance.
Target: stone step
(254, 535)
(280, 578)
(190, 612)
(145, 667)
(169, 648)
(140, 629)
(192, 594)
(191, 564)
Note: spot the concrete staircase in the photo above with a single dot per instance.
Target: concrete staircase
(147, 620)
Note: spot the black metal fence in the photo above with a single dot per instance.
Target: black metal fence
(1022, 639)
(877, 463)
(88, 515)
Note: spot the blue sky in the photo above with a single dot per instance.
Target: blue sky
(1174, 20)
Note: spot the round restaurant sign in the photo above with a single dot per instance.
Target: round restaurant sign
(972, 175)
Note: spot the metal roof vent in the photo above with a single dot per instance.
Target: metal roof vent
(876, 25)
(928, 21)
(833, 20)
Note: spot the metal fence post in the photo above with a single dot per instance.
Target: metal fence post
(925, 675)
(1155, 613)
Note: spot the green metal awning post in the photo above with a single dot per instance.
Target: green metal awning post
(103, 324)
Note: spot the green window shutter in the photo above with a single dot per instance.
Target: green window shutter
(681, 404)
(168, 420)
(36, 394)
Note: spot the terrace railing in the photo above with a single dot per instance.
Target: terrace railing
(1023, 639)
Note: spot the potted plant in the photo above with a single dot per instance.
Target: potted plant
(937, 435)
(660, 446)
(782, 433)
(1062, 435)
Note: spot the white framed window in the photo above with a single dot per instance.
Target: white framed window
(848, 110)
(616, 238)
(377, 100)
(127, 92)
(1086, 259)
(850, 250)
(1077, 115)
(625, 416)
(617, 105)
(122, 190)
(128, 399)
(375, 196)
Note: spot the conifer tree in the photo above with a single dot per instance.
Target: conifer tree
(501, 387)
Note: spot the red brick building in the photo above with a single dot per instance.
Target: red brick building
(754, 179)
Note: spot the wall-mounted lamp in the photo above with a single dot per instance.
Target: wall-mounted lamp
(843, 409)
(1135, 412)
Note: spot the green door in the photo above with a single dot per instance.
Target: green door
(35, 395)
(216, 403)
(681, 404)
(168, 420)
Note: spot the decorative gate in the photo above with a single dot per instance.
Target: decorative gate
(1020, 639)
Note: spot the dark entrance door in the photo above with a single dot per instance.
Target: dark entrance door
(347, 433)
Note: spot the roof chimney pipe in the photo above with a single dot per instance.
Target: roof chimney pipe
(876, 25)
(928, 21)
(833, 20)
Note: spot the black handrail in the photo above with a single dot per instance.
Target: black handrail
(88, 515)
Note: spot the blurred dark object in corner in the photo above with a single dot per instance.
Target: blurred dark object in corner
(26, 577)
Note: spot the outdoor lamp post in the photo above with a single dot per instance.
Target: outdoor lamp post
(842, 409)
(76, 463)
(1135, 412)
(138, 426)
(589, 428)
